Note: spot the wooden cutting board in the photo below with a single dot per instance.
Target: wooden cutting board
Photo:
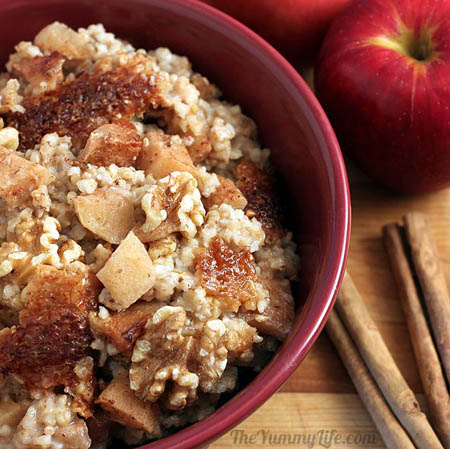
(318, 407)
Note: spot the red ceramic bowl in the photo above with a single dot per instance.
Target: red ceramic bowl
(290, 121)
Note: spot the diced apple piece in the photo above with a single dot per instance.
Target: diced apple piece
(226, 192)
(128, 273)
(59, 37)
(115, 143)
(124, 407)
(108, 213)
(162, 155)
(278, 317)
(19, 177)
(124, 328)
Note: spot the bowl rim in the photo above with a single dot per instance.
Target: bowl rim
(294, 351)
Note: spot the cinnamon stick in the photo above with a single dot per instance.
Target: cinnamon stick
(432, 280)
(430, 369)
(390, 430)
(375, 353)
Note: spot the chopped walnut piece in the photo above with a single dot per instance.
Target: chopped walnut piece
(26, 234)
(173, 204)
(42, 72)
(108, 213)
(128, 273)
(258, 187)
(59, 37)
(163, 154)
(227, 274)
(115, 143)
(124, 407)
(277, 318)
(226, 192)
(212, 354)
(124, 328)
(161, 354)
(163, 247)
(10, 99)
(19, 177)
(79, 106)
(53, 332)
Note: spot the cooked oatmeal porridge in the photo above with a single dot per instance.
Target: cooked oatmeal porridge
(143, 263)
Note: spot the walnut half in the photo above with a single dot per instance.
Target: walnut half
(173, 204)
(162, 354)
(168, 360)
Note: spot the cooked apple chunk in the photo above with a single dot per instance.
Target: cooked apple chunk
(19, 177)
(278, 317)
(59, 37)
(115, 143)
(124, 407)
(226, 192)
(162, 154)
(128, 273)
(124, 328)
(108, 213)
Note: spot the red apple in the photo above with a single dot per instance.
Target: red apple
(383, 77)
(295, 27)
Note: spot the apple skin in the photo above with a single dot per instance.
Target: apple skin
(295, 27)
(390, 110)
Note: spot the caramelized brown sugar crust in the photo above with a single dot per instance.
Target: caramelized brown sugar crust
(258, 188)
(81, 105)
(227, 274)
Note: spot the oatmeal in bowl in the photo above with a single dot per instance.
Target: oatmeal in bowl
(144, 262)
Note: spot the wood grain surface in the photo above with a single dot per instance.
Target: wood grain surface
(319, 396)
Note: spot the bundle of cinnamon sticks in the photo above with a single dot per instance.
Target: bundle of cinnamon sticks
(426, 304)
